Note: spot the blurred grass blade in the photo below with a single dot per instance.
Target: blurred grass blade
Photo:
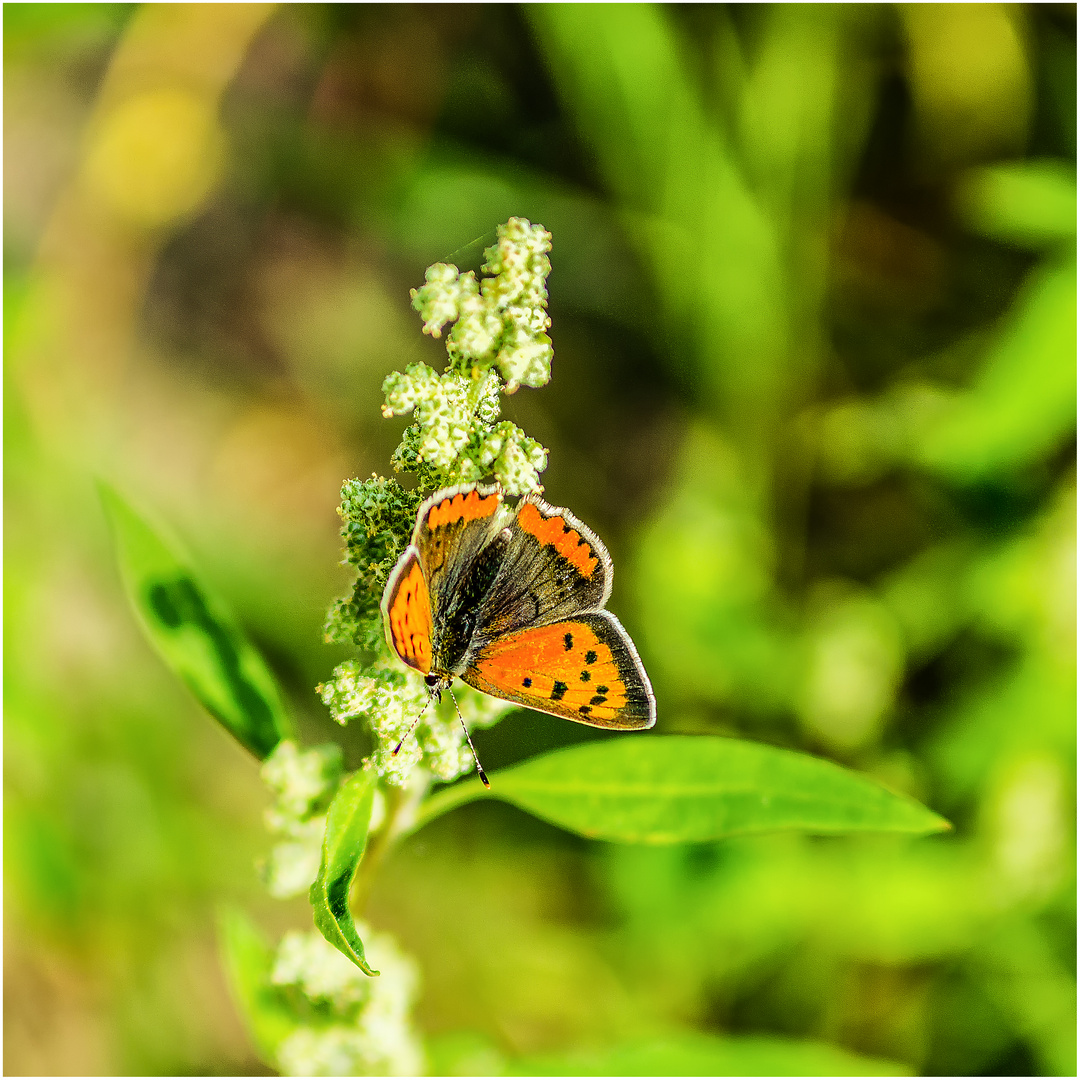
(1028, 203)
(343, 845)
(677, 789)
(621, 71)
(248, 960)
(193, 634)
(709, 1055)
(1022, 405)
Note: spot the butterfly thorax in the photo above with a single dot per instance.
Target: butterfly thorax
(459, 609)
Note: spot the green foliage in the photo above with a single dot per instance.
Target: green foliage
(702, 1055)
(684, 1054)
(1028, 203)
(343, 846)
(687, 789)
(664, 158)
(47, 29)
(193, 634)
(1021, 404)
(377, 518)
(248, 961)
(814, 289)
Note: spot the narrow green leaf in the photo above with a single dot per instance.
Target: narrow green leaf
(709, 1055)
(248, 960)
(1028, 203)
(680, 788)
(193, 633)
(343, 845)
(627, 88)
(1021, 406)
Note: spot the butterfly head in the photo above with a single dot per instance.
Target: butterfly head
(437, 683)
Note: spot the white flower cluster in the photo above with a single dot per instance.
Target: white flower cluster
(450, 410)
(303, 782)
(499, 338)
(364, 1028)
(455, 431)
(390, 701)
(503, 320)
(517, 289)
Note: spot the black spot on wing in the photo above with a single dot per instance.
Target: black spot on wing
(590, 657)
(526, 682)
(568, 641)
(585, 676)
(558, 690)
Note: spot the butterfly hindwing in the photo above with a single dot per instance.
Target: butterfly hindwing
(584, 669)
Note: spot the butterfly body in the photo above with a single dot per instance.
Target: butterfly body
(509, 596)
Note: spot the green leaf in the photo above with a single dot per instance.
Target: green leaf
(247, 960)
(680, 788)
(343, 845)
(709, 1055)
(193, 633)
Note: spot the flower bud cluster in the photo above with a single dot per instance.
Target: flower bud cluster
(389, 701)
(377, 517)
(501, 321)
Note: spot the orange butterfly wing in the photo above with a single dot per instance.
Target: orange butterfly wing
(407, 613)
(584, 669)
(452, 528)
(580, 665)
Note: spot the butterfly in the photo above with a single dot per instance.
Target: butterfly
(508, 595)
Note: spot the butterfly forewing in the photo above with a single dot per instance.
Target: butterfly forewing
(585, 669)
(554, 567)
(407, 612)
(457, 537)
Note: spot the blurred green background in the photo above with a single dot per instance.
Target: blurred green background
(814, 309)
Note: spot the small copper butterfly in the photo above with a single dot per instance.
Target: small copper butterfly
(508, 595)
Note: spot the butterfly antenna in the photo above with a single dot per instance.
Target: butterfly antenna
(479, 767)
(412, 726)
